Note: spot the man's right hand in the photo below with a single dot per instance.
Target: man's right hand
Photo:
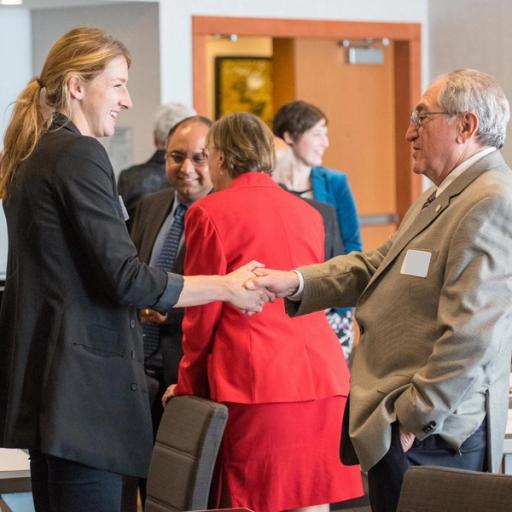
(406, 439)
(251, 300)
(279, 282)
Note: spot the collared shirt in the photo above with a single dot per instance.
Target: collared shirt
(297, 296)
(464, 166)
(166, 225)
(155, 361)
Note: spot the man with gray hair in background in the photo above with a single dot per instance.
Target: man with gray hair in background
(430, 375)
(140, 180)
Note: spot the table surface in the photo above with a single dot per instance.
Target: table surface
(14, 471)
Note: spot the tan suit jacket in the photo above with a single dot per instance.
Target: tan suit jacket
(435, 351)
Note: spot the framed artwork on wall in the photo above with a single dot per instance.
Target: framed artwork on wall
(244, 84)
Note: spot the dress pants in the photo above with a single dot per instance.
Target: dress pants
(60, 485)
(385, 478)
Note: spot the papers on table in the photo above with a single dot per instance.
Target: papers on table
(13, 460)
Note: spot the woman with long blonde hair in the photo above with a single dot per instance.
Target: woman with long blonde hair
(72, 385)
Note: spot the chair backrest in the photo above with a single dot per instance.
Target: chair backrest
(184, 455)
(436, 489)
(225, 510)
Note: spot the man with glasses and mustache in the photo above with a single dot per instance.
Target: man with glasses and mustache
(143, 179)
(157, 232)
(434, 303)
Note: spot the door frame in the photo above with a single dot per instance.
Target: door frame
(407, 73)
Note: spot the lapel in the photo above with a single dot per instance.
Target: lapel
(179, 262)
(421, 219)
(320, 186)
(153, 222)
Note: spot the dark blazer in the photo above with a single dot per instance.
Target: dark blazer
(140, 180)
(72, 382)
(332, 242)
(150, 214)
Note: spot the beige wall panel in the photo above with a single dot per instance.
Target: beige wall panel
(475, 34)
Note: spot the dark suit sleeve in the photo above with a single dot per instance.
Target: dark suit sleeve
(84, 182)
(332, 239)
(333, 243)
(136, 226)
(336, 247)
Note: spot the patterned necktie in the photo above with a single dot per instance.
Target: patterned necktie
(429, 200)
(164, 261)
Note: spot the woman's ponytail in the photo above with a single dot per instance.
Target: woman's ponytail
(23, 133)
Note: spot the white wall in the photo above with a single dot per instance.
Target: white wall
(136, 24)
(15, 59)
(176, 27)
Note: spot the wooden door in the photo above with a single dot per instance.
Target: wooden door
(367, 105)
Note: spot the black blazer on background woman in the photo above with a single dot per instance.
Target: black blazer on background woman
(72, 381)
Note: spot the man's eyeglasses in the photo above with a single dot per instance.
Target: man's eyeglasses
(198, 159)
(417, 118)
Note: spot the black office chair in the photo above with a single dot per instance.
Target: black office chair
(436, 489)
(184, 455)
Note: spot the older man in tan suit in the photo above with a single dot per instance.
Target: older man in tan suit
(434, 303)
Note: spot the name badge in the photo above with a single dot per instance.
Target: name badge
(124, 211)
(416, 263)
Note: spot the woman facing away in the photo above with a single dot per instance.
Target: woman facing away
(72, 385)
(284, 380)
(303, 127)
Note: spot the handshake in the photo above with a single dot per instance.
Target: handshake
(252, 285)
(249, 288)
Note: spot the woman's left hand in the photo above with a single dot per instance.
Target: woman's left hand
(169, 393)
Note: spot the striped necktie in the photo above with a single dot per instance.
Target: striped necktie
(164, 261)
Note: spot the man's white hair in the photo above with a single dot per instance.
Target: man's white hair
(166, 117)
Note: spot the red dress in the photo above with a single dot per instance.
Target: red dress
(284, 379)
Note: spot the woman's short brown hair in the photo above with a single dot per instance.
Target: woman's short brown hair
(246, 143)
(296, 118)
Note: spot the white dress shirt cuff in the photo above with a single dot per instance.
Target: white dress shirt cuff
(297, 296)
